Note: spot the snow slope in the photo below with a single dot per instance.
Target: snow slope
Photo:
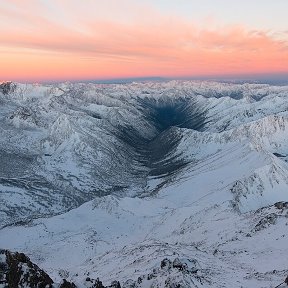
(109, 181)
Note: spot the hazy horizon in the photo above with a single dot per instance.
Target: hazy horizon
(274, 79)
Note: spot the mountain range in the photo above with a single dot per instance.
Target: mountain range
(155, 184)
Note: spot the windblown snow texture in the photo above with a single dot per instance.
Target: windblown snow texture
(173, 184)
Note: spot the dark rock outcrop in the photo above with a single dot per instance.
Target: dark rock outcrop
(7, 87)
(66, 284)
(173, 273)
(16, 270)
(281, 205)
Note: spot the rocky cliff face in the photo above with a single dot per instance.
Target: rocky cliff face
(16, 270)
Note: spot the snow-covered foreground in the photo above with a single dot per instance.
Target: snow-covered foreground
(193, 219)
(212, 211)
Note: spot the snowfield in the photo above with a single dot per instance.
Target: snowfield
(149, 184)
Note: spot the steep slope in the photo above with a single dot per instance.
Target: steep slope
(171, 183)
(71, 141)
(18, 271)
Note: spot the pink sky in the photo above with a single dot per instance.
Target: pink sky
(67, 40)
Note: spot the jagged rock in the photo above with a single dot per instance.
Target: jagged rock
(266, 221)
(16, 270)
(179, 265)
(130, 284)
(177, 273)
(281, 205)
(22, 113)
(115, 284)
(7, 87)
(166, 264)
(98, 284)
(66, 284)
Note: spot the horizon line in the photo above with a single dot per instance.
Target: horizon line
(262, 78)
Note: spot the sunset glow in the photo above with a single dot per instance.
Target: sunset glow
(74, 40)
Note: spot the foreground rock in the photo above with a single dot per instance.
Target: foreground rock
(16, 270)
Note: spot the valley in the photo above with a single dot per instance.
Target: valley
(157, 184)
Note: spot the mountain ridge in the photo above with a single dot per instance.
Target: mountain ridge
(126, 176)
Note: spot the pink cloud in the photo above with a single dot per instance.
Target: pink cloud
(99, 48)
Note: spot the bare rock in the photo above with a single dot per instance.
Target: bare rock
(16, 270)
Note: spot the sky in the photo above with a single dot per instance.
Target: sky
(59, 40)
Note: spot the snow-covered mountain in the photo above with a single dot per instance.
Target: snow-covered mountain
(147, 184)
